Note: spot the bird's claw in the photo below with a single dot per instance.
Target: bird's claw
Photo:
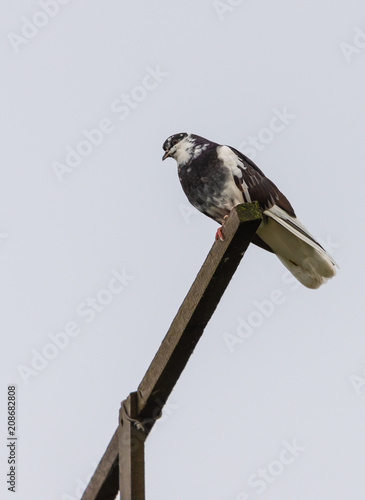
(219, 234)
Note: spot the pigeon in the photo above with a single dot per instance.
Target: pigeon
(217, 178)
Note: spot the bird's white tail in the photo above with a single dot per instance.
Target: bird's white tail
(296, 248)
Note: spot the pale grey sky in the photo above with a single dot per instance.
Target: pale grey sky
(98, 245)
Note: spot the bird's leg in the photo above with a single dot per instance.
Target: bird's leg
(219, 234)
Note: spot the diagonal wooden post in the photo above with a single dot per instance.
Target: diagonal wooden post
(140, 410)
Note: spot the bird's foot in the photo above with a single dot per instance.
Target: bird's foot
(219, 234)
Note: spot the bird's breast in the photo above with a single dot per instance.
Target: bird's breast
(209, 189)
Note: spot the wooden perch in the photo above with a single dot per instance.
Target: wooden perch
(126, 447)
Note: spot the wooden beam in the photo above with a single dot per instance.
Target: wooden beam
(131, 452)
(197, 308)
(104, 485)
(166, 367)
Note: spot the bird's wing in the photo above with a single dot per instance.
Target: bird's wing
(252, 181)
(257, 187)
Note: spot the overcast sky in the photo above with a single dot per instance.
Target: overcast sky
(98, 245)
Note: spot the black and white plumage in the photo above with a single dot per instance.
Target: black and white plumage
(216, 178)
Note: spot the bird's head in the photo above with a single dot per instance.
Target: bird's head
(184, 147)
(174, 145)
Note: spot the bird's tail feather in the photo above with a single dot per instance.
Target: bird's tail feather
(306, 273)
(296, 248)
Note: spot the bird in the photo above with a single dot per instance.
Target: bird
(216, 178)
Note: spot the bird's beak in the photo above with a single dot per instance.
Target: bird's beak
(166, 155)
